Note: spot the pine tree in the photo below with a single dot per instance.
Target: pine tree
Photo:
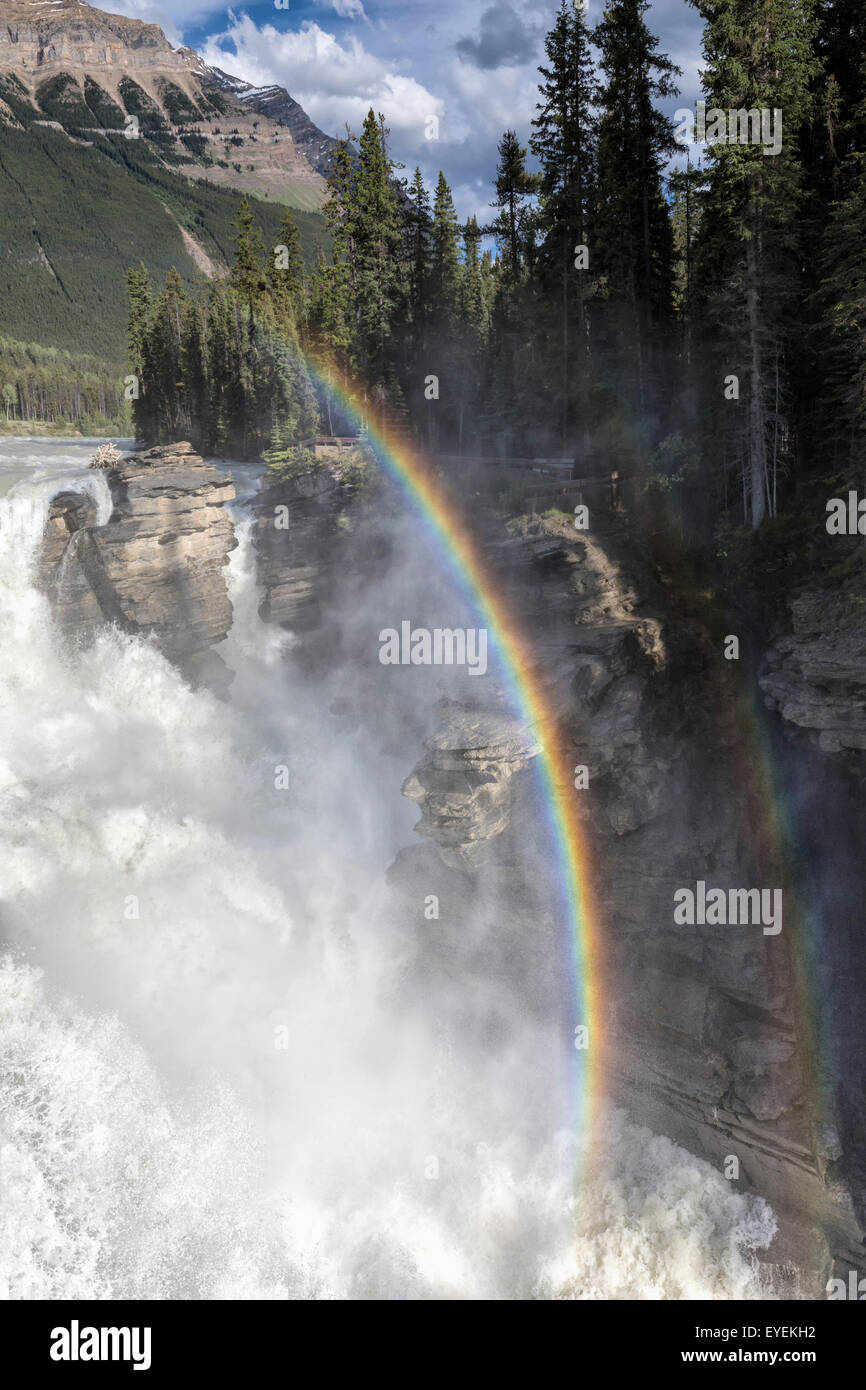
(419, 228)
(140, 302)
(685, 186)
(333, 292)
(140, 305)
(377, 222)
(193, 369)
(841, 409)
(286, 278)
(632, 231)
(514, 185)
(759, 55)
(445, 265)
(247, 275)
(162, 360)
(839, 108)
(565, 144)
(473, 308)
(330, 332)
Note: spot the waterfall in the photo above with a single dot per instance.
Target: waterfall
(218, 1076)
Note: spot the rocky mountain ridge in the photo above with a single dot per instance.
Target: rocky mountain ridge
(89, 72)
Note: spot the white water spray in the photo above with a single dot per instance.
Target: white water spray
(215, 1081)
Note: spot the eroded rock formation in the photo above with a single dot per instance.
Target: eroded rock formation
(157, 567)
(296, 530)
(815, 674)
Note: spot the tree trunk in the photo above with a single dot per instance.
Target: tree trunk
(757, 433)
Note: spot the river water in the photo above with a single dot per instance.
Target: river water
(219, 1075)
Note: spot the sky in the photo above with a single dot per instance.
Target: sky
(472, 64)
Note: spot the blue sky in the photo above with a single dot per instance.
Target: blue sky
(470, 63)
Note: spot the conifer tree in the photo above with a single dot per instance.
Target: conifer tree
(377, 222)
(514, 186)
(841, 409)
(758, 57)
(632, 229)
(473, 306)
(445, 263)
(419, 228)
(140, 305)
(247, 274)
(162, 359)
(565, 144)
(286, 278)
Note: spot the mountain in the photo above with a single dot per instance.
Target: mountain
(276, 103)
(116, 147)
(88, 71)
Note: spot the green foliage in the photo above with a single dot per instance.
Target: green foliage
(15, 95)
(181, 108)
(215, 366)
(633, 244)
(287, 460)
(445, 259)
(63, 265)
(750, 248)
(286, 277)
(674, 462)
(137, 102)
(356, 467)
(514, 186)
(61, 99)
(60, 388)
(565, 142)
(247, 272)
(107, 115)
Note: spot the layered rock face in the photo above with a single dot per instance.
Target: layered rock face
(69, 33)
(68, 38)
(814, 680)
(296, 530)
(465, 786)
(157, 567)
(815, 673)
(706, 1034)
(278, 105)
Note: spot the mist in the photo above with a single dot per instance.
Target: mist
(238, 1060)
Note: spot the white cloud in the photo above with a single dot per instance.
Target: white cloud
(172, 16)
(334, 82)
(348, 9)
(496, 101)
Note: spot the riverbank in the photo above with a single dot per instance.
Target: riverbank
(54, 429)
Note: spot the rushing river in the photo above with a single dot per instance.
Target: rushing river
(220, 1076)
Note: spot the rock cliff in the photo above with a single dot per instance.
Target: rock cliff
(156, 568)
(706, 1031)
(815, 671)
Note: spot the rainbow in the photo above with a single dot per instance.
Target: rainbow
(467, 566)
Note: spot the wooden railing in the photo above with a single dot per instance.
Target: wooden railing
(574, 488)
